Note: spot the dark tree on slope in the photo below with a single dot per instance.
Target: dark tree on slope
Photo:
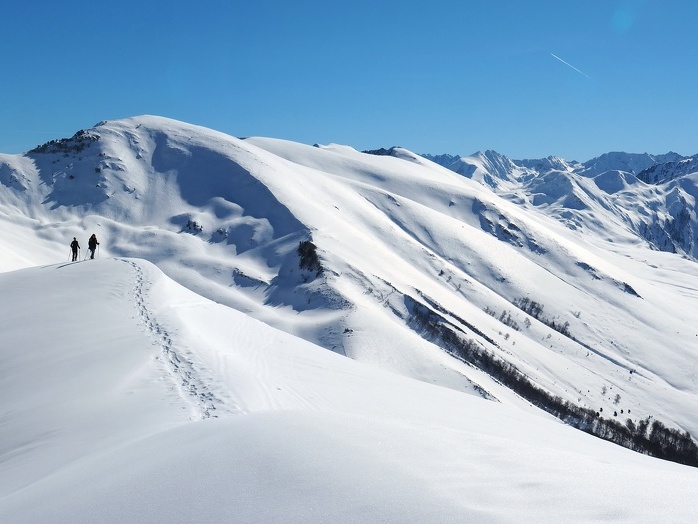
(309, 260)
(535, 309)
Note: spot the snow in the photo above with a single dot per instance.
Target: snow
(129, 397)
(99, 428)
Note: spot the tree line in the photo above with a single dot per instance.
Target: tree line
(647, 436)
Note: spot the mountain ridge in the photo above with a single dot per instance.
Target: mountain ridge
(130, 398)
(665, 208)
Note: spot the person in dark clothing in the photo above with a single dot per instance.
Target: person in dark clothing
(74, 246)
(92, 245)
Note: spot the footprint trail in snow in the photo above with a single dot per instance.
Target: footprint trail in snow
(189, 384)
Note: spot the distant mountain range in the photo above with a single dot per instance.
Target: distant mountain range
(652, 195)
(503, 167)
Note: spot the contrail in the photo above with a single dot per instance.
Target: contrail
(570, 65)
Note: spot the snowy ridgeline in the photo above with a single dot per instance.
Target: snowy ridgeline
(654, 196)
(464, 311)
(138, 400)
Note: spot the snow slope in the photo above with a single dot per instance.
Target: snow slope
(224, 217)
(399, 253)
(131, 399)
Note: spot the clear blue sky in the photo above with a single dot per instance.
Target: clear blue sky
(526, 78)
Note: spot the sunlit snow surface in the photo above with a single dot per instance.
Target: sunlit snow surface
(129, 398)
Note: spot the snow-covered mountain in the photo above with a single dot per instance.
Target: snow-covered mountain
(666, 171)
(651, 195)
(489, 167)
(629, 162)
(475, 306)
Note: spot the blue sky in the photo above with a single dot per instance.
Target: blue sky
(434, 77)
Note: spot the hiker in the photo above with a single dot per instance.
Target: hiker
(74, 246)
(92, 245)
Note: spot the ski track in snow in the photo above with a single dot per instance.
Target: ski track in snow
(182, 371)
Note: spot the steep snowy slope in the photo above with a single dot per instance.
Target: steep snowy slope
(127, 398)
(391, 260)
